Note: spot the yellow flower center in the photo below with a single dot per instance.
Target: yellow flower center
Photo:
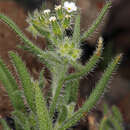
(69, 8)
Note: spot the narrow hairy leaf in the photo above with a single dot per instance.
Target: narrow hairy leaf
(15, 28)
(101, 85)
(97, 22)
(74, 91)
(41, 79)
(105, 109)
(55, 98)
(103, 124)
(76, 34)
(95, 96)
(117, 114)
(62, 114)
(71, 91)
(25, 79)
(71, 109)
(41, 110)
(29, 43)
(4, 125)
(43, 32)
(8, 75)
(26, 125)
(21, 119)
(88, 67)
(67, 92)
(117, 125)
(11, 87)
(58, 73)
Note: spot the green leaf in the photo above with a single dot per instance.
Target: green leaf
(42, 31)
(71, 109)
(11, 87)
(105, 109)
(117, 114)
(42, 80)
(104, 124)
(21, 120)
(31, 46)
(25, 78)
(16, 29)
(55, 98)
(96, 22)
(63, 114)
(117, 125)
(95, 96)
(101, 85)
(41, 110)
(71, 91)
(58, 73)
(76, 34)
(4, 125)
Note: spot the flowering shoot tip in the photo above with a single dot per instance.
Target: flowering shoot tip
(70, 6)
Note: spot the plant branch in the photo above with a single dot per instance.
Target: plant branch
(95, 96)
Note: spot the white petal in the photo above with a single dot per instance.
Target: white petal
(66, 4)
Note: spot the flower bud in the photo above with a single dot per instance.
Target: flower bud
(47, 11)
(55, 26)
(67, 21)
(52, 19)
(59, 12)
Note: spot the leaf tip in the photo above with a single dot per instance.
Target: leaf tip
(100, 46)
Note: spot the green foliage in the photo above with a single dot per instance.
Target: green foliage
(41, 110)
(21, 120)
(94, 97)
(71, 91)
(76, 34)
(4, 124)
(63, 113)
(25, 78)
(11, 87)
(42, 80)
(62, 53)
(111, 119)
(97, 22)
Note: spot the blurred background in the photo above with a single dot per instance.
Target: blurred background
(115, 30)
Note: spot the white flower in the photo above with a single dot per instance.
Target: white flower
(70, 6)
(52, 19)
(57, 7)
(47, 11)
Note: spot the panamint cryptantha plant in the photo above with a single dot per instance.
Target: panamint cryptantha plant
(61, 53)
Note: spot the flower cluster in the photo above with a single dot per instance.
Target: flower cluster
(68, 50)
(44, 18)
(53, 24)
